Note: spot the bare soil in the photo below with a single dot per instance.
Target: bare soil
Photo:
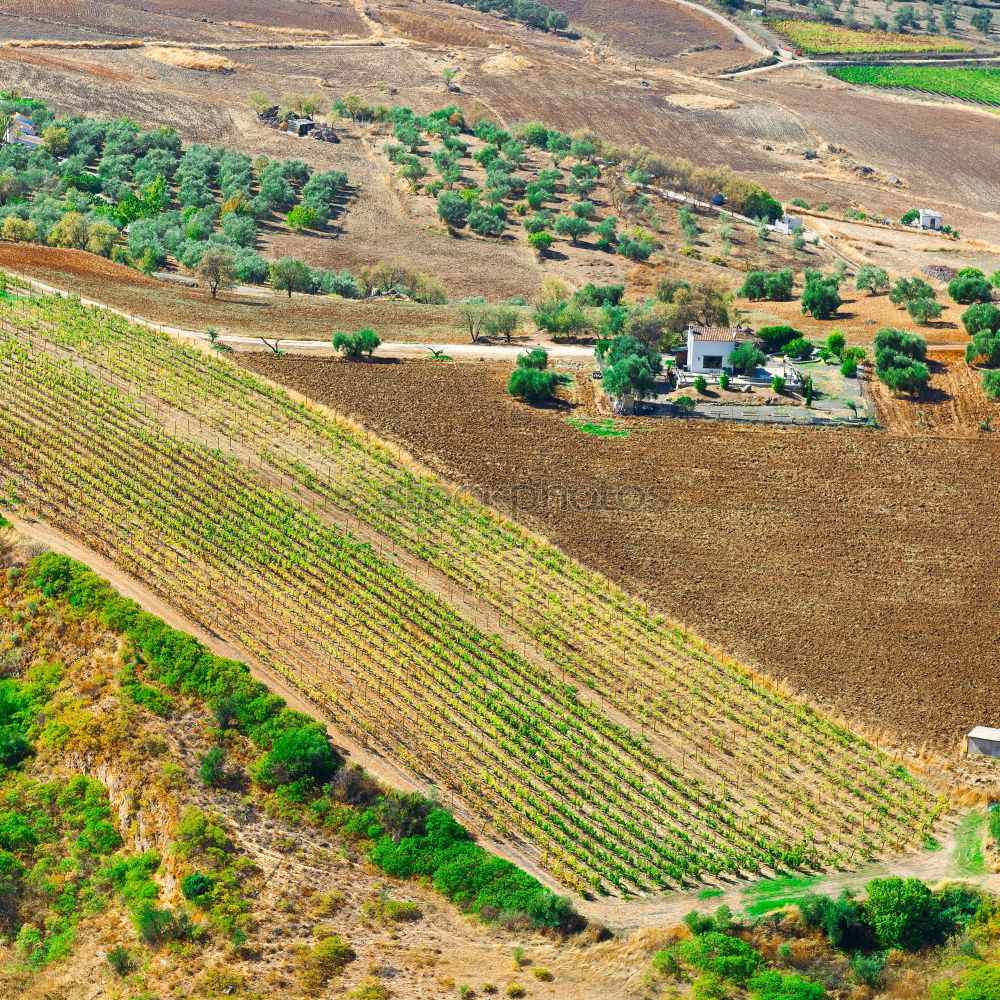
(953, 406)
(841, 560)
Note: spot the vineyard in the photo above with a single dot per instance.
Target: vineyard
(969, 84)
(818, 38)
(466, 649)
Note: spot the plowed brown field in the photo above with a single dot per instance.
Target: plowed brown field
(954, 404)
(855, 563)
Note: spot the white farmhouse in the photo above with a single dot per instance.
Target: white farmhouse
(709, 347)
(22, 132)
(929, 219)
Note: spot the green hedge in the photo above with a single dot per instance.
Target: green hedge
(470, 876)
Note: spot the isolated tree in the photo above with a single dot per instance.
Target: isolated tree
(301, 217)
(872, 279)
(289, 274)
(984, 348)
(541, 242)
(355, 346)
(453, 209)
(746, 359)
(631, 376)
(472, 318)
(970, 288)
(821, 295)
(217, 269)
(922, 311)
(979, 317)
(982, 21)
(502, 322)
(572, 226)
(907, 289)
(534, 385)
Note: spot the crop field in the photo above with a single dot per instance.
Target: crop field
(824, 39)
(267, 522)
(841, 561)
(969, 84)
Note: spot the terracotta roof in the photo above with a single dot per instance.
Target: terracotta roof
(721, 334)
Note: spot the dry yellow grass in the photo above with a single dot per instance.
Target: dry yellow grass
(45, 43)
(210, 62)
(298, 32)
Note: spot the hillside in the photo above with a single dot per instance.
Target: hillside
(496, 500)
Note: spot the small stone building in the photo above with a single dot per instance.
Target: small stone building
(983, 742)
(929, 219)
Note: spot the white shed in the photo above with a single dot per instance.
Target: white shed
(929, 219)
(787, 224)
(983, 742)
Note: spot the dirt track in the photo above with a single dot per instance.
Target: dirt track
(854, 563)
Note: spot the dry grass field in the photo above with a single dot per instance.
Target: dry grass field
(840, 560)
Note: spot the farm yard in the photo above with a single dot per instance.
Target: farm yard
(840, 561)
(410, 646)
(978, 84)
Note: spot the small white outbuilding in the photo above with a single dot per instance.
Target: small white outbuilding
(927, 218)
(983, 742)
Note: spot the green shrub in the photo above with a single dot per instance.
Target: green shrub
(213, 766)
(537, 358)
(839, 919)
(156, 927)
(800, 349)
(991, 386)
(319, 964)
(718, 953)
(777, 383)
(836, 342)
(784, 986)
(903, 913)
(463, 871)
(849, 368)
(774, 338)
(724, 381)
(700, 384)
(195, 886)
(121, 961)
(868, 968)
(533, 385)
